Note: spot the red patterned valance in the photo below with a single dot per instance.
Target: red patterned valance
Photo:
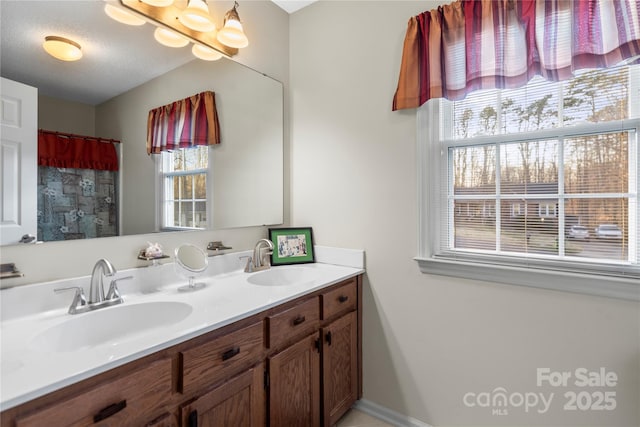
(62, 150)
(185, 123)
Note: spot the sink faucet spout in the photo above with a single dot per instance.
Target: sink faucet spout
(261, 260)
(102, 268)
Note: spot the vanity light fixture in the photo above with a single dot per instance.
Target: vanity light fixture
(232, 34)
(62, 48)
(122, 16)
(194, 24)
(169, 38)
(205, 53)
(196, 17)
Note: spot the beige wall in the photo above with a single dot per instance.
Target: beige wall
(66, 116)
(428, 340)
(268, 33)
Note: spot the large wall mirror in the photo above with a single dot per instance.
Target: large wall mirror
(247, 167)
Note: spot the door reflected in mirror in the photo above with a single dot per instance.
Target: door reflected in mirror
(191, 261)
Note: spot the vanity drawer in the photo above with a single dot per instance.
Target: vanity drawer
(294, 322)
(134, 399)
(340, 300)
(213, 361)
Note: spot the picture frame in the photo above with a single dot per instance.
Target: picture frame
(292, 245)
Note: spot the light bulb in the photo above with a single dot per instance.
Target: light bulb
(196, 16)
(232, 34)
(169, 38)
(62, 48)
(205, 53)
(122, 16)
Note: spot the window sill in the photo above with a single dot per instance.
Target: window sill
(628, 289)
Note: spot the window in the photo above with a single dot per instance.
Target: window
(510, 172)
(183, 188)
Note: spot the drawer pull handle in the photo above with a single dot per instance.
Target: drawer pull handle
(343, 298)
(230, 353)
(193, 419)
(109, 411)
(298, 320)
(327, 337)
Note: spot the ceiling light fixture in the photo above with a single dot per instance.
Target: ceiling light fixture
(232, 34)
(194, 24)
(205, 53)
(169, 38)
(196, 16)
(62, 48)
(122, 16)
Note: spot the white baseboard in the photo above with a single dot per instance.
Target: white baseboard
(395, 418)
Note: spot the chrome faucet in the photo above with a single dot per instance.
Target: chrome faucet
(96, 291)
(261, 258)
(97, 298)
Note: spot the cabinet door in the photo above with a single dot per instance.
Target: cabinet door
(294, 389)
(239, 402)
(339, 367)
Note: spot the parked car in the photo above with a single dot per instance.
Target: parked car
(578, 232)
(608, 231)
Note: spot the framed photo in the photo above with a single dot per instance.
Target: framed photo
(291, 245)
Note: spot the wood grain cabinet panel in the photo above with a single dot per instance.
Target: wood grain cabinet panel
(239, 402)
(133, 400)
(339, 367)
(294, 386)
(340, 300)
(295, 322)
(209, 363)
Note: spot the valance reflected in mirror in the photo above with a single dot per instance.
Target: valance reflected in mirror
(191, 261)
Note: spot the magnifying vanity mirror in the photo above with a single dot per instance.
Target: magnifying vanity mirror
(123, 74)
(191, 261)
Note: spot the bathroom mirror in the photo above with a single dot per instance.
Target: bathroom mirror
(191, 260)
(74, 99)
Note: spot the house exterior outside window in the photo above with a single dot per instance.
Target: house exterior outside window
(544, 157)
(183, 187)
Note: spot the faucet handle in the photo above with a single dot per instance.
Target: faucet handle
(249, 267)
(114, 292)
(79, 303)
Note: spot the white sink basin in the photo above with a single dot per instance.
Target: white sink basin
(110, 325)
(283, 276)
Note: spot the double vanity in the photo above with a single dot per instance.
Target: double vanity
(277, 347)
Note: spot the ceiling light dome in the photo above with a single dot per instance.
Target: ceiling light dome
(205, 53)
(62, 48)
(122, 15)
(196, 16)
(169, 38)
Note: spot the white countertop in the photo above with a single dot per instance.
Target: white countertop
(29, 371)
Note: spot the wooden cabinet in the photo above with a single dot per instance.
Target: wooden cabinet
(294, 385)
(296, 364)
(238, 402)
(213, 361)
(339, 367)
(316, 380)
(140, 398)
